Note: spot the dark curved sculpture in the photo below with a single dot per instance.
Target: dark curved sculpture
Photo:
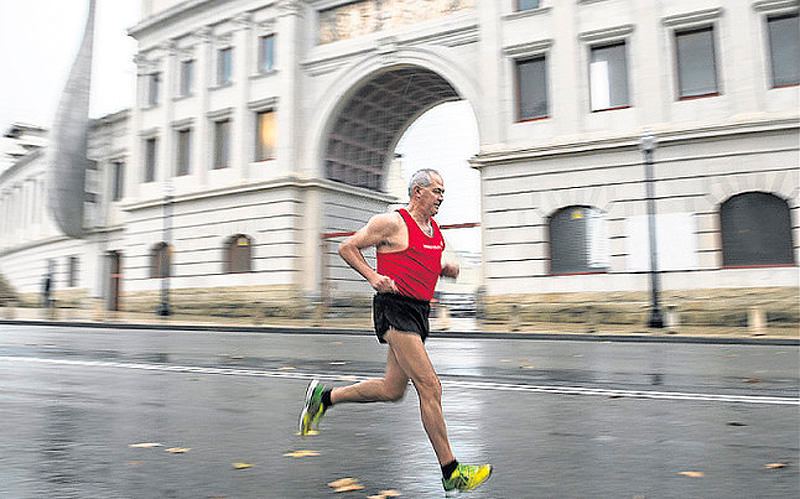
(66, 169)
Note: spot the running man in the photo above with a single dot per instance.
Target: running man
(409, 248)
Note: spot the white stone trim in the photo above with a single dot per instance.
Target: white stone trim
(724, 187)
(595, 197)
(268, 104)
(182, 124)
(776, 6)
(695, 19)
(530, 49)
(220, 114)
(522, 14)
(614, 34)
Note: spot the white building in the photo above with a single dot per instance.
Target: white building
(273, 122)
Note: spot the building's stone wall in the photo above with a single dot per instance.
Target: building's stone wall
(719, 307)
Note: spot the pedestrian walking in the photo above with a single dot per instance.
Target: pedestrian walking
(409, 248)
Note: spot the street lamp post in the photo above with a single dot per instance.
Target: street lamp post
(163, 308)
(647, 144)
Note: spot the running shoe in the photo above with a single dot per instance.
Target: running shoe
(466, 478)
(313, 408)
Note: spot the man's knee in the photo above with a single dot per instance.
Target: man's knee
(395, 394)
(429, 386)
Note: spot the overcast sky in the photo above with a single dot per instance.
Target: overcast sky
(40, 38)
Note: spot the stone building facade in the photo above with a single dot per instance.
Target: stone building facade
(260, 125)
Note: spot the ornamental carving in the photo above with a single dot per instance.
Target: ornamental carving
(368, 16)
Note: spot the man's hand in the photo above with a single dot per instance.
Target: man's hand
(449, 270)
(383, 284)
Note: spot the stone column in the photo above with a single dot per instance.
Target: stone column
(166, 154)
(202, 145)
(288, 52)
(134, 170)
(242, 129)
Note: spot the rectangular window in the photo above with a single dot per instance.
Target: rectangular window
(150, 151)
(265, 135)
(697, 71)
(118, 177)
(224, 66)
(608, 77)
(527, 4)
(187, 78)
(266, 53)
(184, 152)
(222, 139)
(532, 88)
(72, 276)
(784, 48)
(154, 89)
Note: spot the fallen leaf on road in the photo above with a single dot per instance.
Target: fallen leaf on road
(735, 423)
(773, 466)
(342, 482)
(302, 453)
(349, 488)
(390, 493)
(578, 355)
(336, 342)
(376, 497)
(524, 360)
(338, 363)
(145, 445)
(526, 367)
(178, 450)
(752, 380)
(135, 463)
(193, 379)
(347, 378)
(241, 466)
(505, 360)
(286, 368)
(693, 474)
(237, 357)
(733, 355)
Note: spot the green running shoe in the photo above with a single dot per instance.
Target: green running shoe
(466, 478)
(313, 408)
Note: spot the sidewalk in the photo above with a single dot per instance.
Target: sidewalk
(449, 327)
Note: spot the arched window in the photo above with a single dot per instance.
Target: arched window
(238, 254)
(578, 242)
(756, 230)
(160, 260)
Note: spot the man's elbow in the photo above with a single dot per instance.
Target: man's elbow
(343, 247)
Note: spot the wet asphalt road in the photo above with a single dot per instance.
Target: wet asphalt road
(558, 419)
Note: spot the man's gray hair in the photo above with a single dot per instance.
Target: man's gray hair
(421, 178)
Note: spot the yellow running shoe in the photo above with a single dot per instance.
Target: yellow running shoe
(313, 408)
(466, 478)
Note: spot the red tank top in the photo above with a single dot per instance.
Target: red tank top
(415, 270)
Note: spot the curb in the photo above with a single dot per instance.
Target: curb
(641, 337)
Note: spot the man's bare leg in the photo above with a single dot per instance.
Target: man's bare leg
(390, 388)
(412, 358)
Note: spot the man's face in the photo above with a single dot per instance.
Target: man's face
(433, 195)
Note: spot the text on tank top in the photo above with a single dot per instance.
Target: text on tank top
(415, 270)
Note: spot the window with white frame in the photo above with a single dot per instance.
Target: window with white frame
(578, 241)
(184, 156)
(265, 135)
(532, 88)
(154, 89)
(527, 4)
(117, 180)
(187, 78)
(150, 158)
(266, 53)
(608, 77)
(222, 143)
(696, 63)
(224, 66)
(784, 49)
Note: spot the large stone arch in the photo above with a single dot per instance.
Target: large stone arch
(439, 80)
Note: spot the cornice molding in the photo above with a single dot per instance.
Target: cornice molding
(607, 34)
(528, 49)
(693, 18)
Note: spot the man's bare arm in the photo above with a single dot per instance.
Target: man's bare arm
(378, 231)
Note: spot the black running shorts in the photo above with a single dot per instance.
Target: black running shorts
(403, 313)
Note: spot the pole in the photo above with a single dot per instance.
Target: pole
(163, 308)
(647, 144)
